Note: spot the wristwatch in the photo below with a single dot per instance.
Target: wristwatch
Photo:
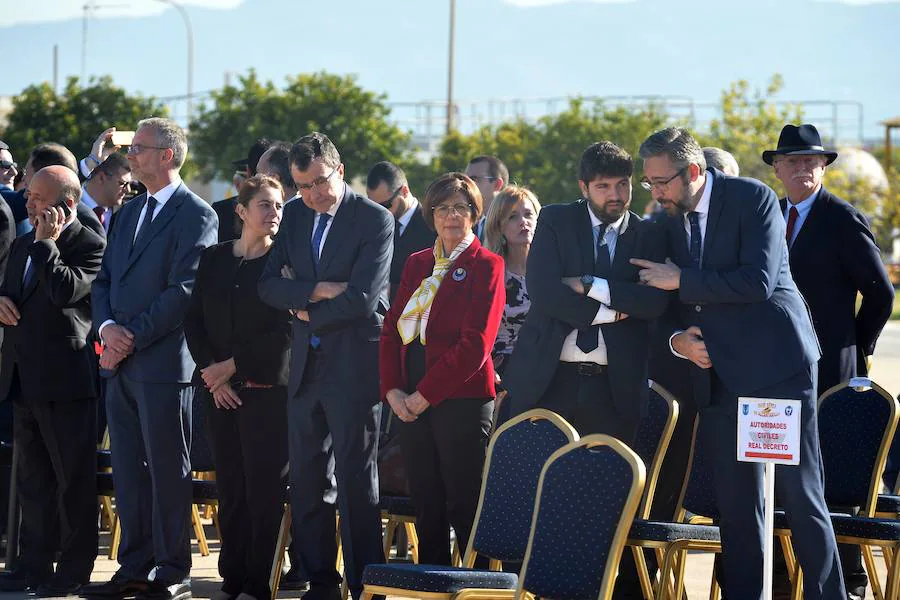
(587, 281)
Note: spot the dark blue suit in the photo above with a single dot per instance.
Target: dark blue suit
(147, 289)
(333, 393)
(16, 201)
(761, 343)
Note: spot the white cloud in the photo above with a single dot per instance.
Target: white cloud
(17, 13)
(530, 3)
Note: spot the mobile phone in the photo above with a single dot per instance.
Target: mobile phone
(61, 205)
(122, 138)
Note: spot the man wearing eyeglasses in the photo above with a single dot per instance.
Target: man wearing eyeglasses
(386, 185)
(106, 188)
(139, 301)
(8, 168)
(329, 266)
(491, 176)
(738, 323)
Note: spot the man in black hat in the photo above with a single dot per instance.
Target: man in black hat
(230, 224)
(830, 274)
(833, 258)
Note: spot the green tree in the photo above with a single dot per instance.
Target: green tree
(750, 122)
(544, 155)
(75, 117)
(354, 119)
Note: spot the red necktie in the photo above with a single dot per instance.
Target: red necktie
(101, 213)
(792, 220)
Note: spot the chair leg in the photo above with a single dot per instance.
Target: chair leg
(892, 586)
(340, 547)
(874, 579)
(198, 531)
(366, 595)
(714, 590)
(665, 567)
(679, 579)
(115, 537)
(413, 536)
(281, 544)
(790, 559)
(215, 518)
(389, 531)
(643, 573)
(797, 583)
(345, 588)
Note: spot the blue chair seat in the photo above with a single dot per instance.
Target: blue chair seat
(104, 459)
(888, 503)
(401, 506)
(662, 531)
(436, 579)
(862, 527)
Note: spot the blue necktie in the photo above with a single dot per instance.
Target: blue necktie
(314, 340)
(696, 243)
(148, 218)
(588, 338)
(29, 273)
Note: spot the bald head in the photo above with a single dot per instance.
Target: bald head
(52, 185)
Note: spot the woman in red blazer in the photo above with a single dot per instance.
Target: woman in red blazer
(436, 367)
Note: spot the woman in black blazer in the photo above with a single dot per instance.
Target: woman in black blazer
(242, 350)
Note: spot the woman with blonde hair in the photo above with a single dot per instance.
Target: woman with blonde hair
(509, 230)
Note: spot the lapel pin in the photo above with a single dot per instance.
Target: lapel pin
(459, 274)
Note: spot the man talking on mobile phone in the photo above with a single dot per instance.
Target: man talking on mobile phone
(47, 373)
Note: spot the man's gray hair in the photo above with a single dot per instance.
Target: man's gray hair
(70, 189)
(678, 144)
(168, 135)
(723, 160)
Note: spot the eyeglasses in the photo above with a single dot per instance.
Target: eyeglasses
(387, 203)
(317, 183)
(138, 148)
(124, 183)
(8, 164)
(476, 178)
(650, 185)
(443, 211)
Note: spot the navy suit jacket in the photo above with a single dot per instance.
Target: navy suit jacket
(16, 201)
(754, 321)
(55, 310)
(147, 289)
(358, 251)
(563, 246)
(417, 236)
(833, 257)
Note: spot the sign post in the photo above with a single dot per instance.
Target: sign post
(768, 431)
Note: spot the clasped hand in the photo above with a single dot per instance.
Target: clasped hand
(690, 344)
(324, 290)
(407, 407)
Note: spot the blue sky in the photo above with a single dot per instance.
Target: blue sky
(826, 50)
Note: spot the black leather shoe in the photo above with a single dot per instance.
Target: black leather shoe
(20, 581)
(294, 582)
(117, 587)
(59, 588)
(161, 590)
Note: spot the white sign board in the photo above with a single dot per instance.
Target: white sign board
(768, 431)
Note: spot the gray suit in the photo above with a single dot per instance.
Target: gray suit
(146, 288)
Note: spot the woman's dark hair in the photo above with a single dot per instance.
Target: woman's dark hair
(254, 185)
(447, 186)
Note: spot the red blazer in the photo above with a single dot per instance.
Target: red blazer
(463, 324)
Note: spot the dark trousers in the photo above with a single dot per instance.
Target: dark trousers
(250, 448)
(444, 450)
(57, 485)
(333, 442)
(586, 402)
(150, 433)
(739, 496)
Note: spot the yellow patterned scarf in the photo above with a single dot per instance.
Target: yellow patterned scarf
(414, 320)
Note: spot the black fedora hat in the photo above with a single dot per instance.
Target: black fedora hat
(799, 140)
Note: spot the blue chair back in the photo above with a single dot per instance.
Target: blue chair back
(653, 436)
(516, 454)
(589, 494)
(699, 496)
(856, 420)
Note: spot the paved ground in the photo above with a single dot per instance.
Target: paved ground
(885, 371)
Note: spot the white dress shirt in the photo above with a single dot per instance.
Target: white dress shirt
(331, 211)
(703, 210)
(162, 196)
(404, 219)
(92, 204)
(803, 209)
(600, 292)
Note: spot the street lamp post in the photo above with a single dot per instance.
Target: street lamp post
(89, 9)
(190, 55)
(450, 69)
